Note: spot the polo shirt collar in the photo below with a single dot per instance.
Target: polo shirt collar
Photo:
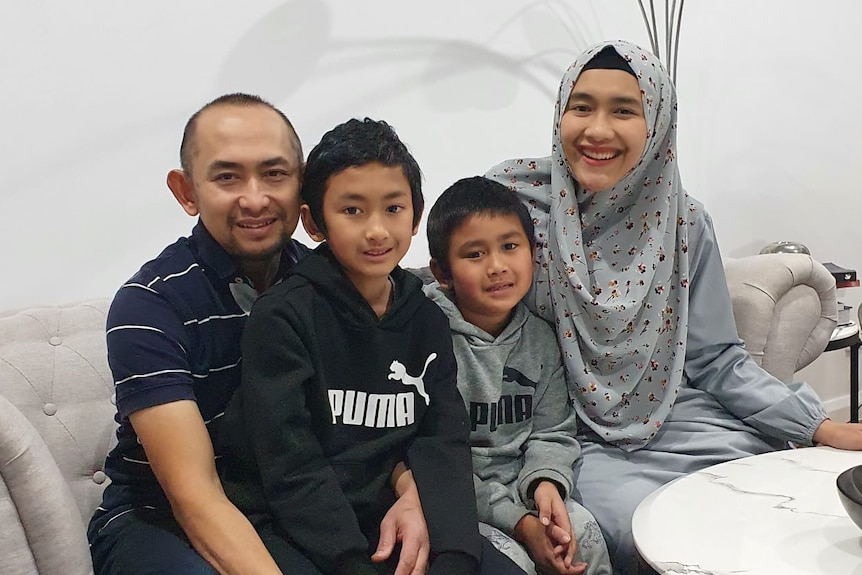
(217, 259)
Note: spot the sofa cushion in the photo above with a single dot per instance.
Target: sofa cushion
(41, 530)
(53, 368)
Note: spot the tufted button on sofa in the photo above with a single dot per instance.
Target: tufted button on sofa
(56, 427)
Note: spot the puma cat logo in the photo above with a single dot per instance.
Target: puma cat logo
(399, 373)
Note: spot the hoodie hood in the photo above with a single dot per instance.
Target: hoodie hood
(475, 336)
(322, 270)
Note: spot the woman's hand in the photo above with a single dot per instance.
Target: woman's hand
(839, 435)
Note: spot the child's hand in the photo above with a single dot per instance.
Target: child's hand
(554, 517)
(532, 534)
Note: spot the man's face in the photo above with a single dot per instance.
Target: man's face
(244, 181)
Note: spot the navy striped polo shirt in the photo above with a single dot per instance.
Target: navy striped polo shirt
(173, 333)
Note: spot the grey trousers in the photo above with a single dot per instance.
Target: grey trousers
(591, 545)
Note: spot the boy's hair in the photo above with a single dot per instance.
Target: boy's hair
(356, 143)
(470, 197)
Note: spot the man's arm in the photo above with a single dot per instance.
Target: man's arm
(148, 351)
(180, 453)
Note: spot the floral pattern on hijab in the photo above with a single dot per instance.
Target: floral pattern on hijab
(612, 266)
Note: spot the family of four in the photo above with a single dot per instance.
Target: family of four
(570, 349)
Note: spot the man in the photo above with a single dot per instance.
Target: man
(174, 350)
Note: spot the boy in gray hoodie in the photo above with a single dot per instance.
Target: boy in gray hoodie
(512, 380)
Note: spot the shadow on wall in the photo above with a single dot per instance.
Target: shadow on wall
(284, 49)
(279, 53)
(454, 75)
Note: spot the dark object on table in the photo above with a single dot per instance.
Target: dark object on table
(850, 493)
(843, 277)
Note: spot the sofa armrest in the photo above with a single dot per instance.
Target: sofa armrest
(785, 309)
(37, 508)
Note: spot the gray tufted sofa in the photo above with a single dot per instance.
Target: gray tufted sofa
(56, 426)
(56, 410)
(785, 307)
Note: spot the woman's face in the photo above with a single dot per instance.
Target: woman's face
(603, 128)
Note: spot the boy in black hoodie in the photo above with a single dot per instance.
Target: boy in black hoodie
(348, 370)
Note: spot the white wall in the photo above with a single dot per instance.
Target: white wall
(94, 95)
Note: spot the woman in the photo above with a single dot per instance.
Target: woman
(629, 271)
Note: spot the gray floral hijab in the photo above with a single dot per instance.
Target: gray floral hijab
(612, 266)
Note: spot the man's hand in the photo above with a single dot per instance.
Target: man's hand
(405, 523)
(180, 453)
(542, 549)
(839, 435)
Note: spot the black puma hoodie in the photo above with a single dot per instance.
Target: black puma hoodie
(331, 399)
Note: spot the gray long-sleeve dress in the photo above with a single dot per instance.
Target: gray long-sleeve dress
(728, 407)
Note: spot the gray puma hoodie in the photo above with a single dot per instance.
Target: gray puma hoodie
(522, 424)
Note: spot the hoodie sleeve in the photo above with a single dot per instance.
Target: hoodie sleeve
(300, 487)
(552, 447)
(440, 458)
(497, 506)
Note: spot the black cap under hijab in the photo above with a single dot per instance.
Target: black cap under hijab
(609, 59)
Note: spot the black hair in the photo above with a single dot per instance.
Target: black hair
(235, 99)
(356, 143)
(470, 197)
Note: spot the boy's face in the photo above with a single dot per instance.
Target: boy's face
(368, 212)
(491, 266)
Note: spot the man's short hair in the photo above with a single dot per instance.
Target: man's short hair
(235, 99)
(471, 197)
(356, 143)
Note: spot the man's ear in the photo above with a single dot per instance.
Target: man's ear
(311, 228)
(183, 190)
(443, 278)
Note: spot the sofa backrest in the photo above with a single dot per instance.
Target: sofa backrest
(785, 309)
(56, 427)
(53, 368)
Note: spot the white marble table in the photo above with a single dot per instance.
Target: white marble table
(775, 514)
